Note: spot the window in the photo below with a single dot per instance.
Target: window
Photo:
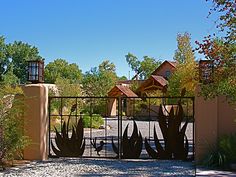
(167, 74)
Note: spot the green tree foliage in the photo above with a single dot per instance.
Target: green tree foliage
(65, 88)
(9, 78)
(223, 55)
(145, 67)
(185, 75)
(3, 57)
(133, 62)
(19, 53)
(107, 66)
(221, 51)
(123, 78)
(226, 10)
(11, 122)
(61, 69)
(13, 60)
(184, 52)
(98, 81)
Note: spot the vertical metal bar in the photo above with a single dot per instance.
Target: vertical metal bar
(188, 107)
(193, 99)
(149, 106)
(49, 126)
(76, 120)
(90, 116)
(106, 129)
(61, 112)
(121, 111)
(118, 145)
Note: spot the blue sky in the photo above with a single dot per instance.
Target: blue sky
(87, 32)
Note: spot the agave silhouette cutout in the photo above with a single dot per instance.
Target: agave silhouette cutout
(70, 146)
(173, 134)
(130, 147)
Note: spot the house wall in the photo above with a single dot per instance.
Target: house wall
(162, 71)
(112, 107)
(36, 121)
(213, 118)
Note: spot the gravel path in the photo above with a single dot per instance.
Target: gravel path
(102, 167)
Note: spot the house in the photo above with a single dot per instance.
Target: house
(158, 81)
(123, 92)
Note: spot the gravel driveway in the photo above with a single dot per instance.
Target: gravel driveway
(102, 167)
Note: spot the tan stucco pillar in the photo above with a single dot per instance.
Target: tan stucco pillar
(36, 121)
(213, 118)
(206, 119)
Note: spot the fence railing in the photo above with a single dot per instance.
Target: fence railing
(105, 120)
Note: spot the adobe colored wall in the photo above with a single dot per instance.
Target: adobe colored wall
(162, 71)
(227, 115)
(112, 107)
(213, 118)
(36, 121)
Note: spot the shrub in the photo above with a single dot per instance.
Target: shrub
(223, 154)
(11, 123)
(227, 145)
(94, 121)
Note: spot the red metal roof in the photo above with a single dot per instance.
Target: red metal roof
(123, 89)
(161, 80)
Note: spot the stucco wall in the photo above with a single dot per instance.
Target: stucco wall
(213, 118)
(227, 117)
(162, 70)
(36, 121)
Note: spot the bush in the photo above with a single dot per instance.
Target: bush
(227, 145)
(12, 136)
(223, 154)
(94, 121)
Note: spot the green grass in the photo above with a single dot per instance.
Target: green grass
(94, 121)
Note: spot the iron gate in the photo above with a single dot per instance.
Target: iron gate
(124, 127)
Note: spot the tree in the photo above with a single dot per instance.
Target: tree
(185, 75)
(61, 69)
(18, 54)
(97, 82)
(107, 66)
(142, 68)
(9, 78)
(3, 57)
(222, 52)
(184, 52)
(123, 78)
(13, 60)
(65, 88)
(226, 10)
(133, 62)
(223, 55)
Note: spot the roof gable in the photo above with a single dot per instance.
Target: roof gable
(120, 90)
(153, 83)
(171, 64)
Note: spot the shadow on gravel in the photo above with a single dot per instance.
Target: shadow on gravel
(104, 167)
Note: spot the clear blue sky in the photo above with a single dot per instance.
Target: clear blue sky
(88, 31)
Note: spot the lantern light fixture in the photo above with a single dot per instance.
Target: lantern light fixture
(36, 71)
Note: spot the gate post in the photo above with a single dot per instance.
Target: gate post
(36, 121)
